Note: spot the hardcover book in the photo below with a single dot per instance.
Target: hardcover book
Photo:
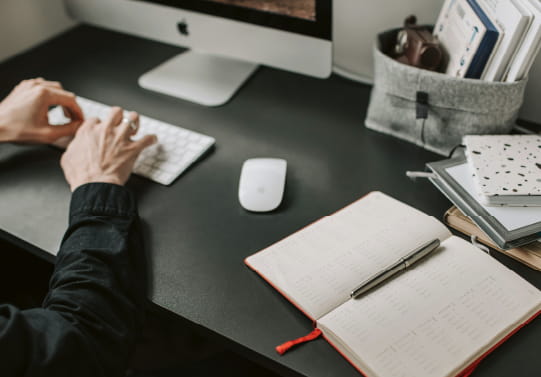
(508, 227)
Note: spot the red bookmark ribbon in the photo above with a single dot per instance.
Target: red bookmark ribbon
(283, 348)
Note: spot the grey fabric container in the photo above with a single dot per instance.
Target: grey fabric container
(434, 110)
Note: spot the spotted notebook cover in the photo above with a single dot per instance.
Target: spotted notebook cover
(505, 165)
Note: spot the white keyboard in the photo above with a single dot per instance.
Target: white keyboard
(176, 150)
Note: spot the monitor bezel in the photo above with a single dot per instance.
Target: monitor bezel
(320, 28)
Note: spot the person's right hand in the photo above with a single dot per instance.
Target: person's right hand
(102, 151)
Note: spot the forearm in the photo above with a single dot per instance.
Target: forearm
(92, 313)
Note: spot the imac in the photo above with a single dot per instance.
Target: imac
(227, 39)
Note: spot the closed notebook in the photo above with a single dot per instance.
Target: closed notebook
(506, 168)
(438, 318)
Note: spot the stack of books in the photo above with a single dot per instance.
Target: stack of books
(507, 226)
(492, 40)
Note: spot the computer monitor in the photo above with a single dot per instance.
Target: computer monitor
(227, 39)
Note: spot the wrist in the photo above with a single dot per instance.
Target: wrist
(9, 128)
(3, 136)
(95, 179)
(4, 130)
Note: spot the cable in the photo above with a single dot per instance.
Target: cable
(523, 130)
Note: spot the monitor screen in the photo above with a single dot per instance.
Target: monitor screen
(307, 17)
(305, 9)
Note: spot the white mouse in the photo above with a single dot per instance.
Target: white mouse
(262, 182)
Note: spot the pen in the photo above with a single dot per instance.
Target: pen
(400, 265)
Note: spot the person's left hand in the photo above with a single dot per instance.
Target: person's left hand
(23, 114)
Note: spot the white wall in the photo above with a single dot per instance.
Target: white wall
(25, 23)
(358, 21)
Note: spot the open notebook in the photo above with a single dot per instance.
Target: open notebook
(438, 318)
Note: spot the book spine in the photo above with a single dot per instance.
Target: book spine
(484, 51)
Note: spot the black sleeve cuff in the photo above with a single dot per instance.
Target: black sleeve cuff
(102, 199)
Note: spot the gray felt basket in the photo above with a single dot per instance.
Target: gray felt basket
(434, 110)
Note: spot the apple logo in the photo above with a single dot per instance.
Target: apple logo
(182, 27)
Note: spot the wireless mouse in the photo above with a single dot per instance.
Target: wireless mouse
(262, 182)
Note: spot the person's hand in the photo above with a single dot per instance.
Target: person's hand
(102, 151)
(23, 114)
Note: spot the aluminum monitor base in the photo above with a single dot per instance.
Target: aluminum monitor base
(209, 80)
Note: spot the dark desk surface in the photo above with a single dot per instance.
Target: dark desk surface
(196, 232)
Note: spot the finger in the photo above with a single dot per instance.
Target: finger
(53, 133)
(90, 122)
(30, 83)
(55, 96)
(129, 125)
(145, 142)
(36, 81)
(63, 142)
(67, 113)
(52, 84)
(114, 118)
(74, 117)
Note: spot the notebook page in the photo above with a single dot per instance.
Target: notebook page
(437, 318)
(318, 267)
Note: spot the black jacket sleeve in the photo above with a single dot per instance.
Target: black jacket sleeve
(91, 315)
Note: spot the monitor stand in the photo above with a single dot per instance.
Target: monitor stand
(205, 79)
